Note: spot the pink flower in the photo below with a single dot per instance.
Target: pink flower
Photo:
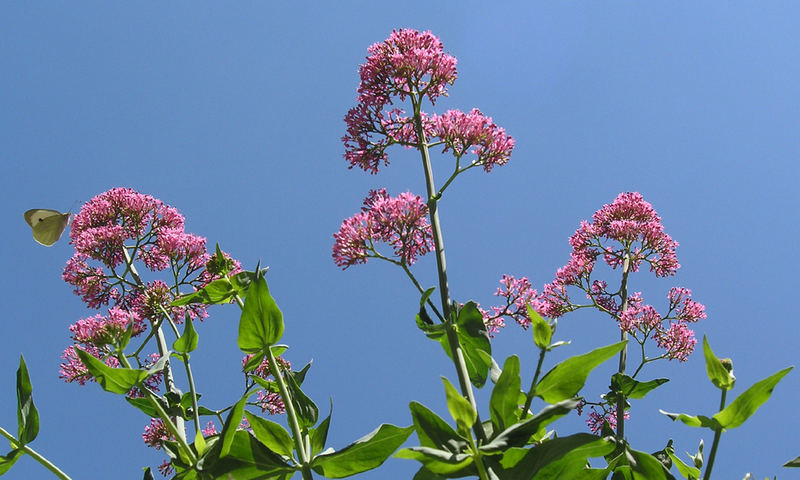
(209, 430)
(399, 221)
(154, 300)
(688, 310)
(156, 434)
(406, 62)
(90, 283)
(609, 414)
(73, 370)
(461, 131)
(518, 294)
(678, 341)
(268, 401)
(101, 330)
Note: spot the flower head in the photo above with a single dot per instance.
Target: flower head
(399, 221)
(475, 133)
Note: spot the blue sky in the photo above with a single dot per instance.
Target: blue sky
(233, 114)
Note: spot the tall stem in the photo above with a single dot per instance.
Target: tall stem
(717, 435)
(623, 355)
(441, 264)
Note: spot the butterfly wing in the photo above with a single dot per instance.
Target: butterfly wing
(47, 225)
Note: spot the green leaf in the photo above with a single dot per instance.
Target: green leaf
(517, 435)
(246, 459)
(27, 415)
(271, 434)
(794, 463)
(188, 341)
(559, 458)
(433, 432)
(7, 461)
(460, 408)
(218, 291)
(319, 435)
(148, 475)
(307, 411)
(114, 380)
(542, 333)
(647, 467)
(436, 461)
(261, 323)
(748, 402)
(475, 343)
(688, 472)
(364, 454)
(694, 420)
(504, 405)
(254, 361)
(567, 378)
(630, 388)
(231, 424)
(717, 372)
(146, 405)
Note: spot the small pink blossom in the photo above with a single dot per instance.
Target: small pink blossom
(688, 310)
(209, 430)
(90, 283)
(518, 294)
(399, 221)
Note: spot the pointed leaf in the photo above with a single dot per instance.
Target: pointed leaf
(647, 467)
(794, 463)
(114, 380)
(433, 432)
(567, 378)
(261, 323)
(517, 435)
(560, 458)
(717, 372)
(364, 454)
(148, 475)
(247, 459)
(436, 461)
(474, 340)
(748, 402)
(218, 291)
(7, 461)
(688, 472)
(694, 420)
(504, 405)
(231, 424)
(241, 281)
(271, 434)
(188, 341)
(635, 389)
(27, 415)
(460, 408)
(307, 411)
(319, 435)
(542, 333)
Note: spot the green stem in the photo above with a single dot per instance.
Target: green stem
(190, 377)
(531, 391)
(717, 436)
(302, 449)
(441, 264)
(36, 455)
(623, 355)
(299, 445)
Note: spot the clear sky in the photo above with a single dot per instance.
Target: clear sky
(232, 112)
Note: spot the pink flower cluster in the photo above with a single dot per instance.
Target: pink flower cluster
(100, 330)
(595, 420)
(628, 227)
(518, 294)
(411, 63)
(400, 221)
(461, 131)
